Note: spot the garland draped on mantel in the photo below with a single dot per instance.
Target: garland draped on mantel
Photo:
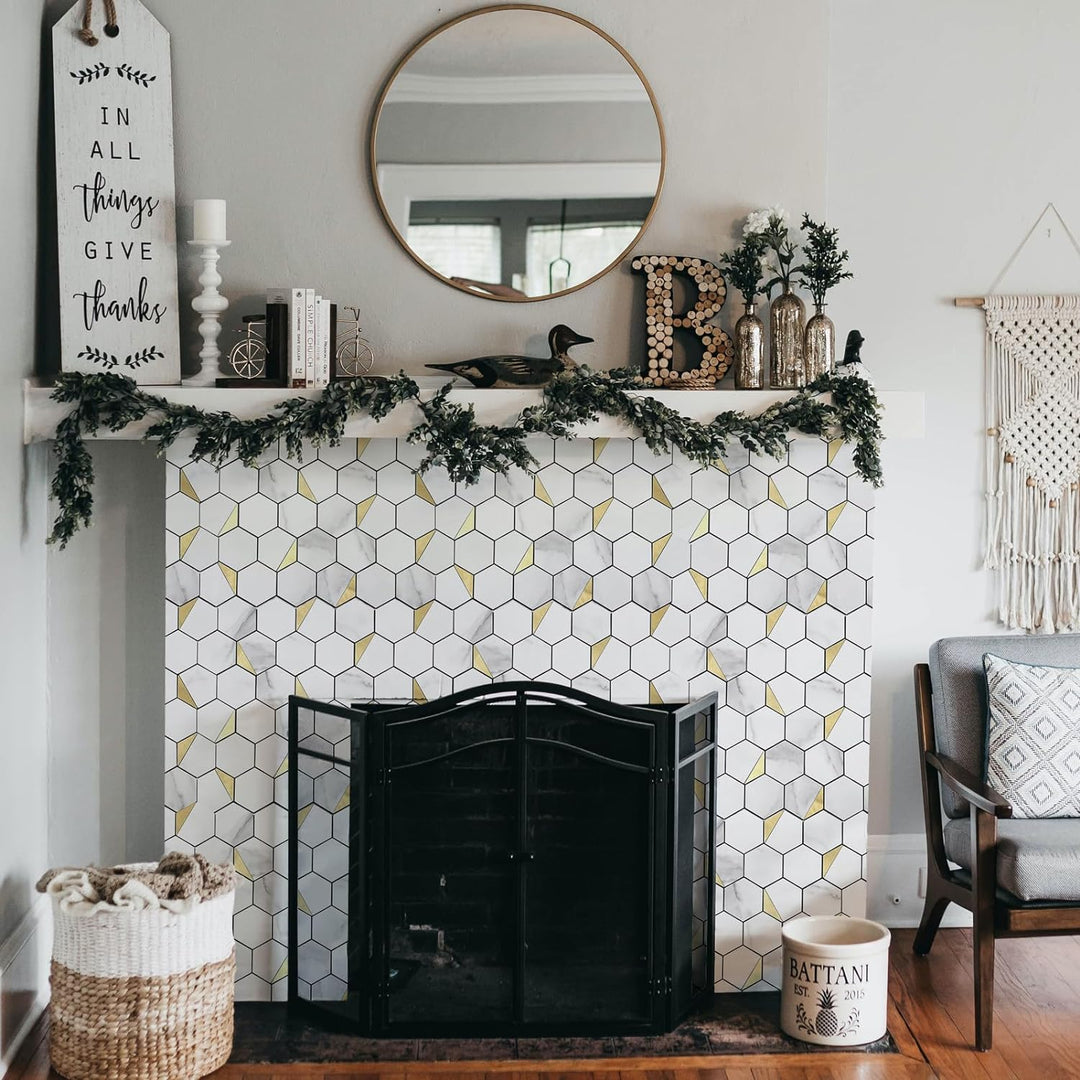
(454, 440)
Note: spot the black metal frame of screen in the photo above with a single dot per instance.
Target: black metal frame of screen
(675, 762)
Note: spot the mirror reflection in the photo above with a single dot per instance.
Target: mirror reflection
(517, 153)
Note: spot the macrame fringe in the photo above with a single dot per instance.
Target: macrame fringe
(1032, 501)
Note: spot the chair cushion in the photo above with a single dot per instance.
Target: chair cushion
(959, 685)
(1037, 858)
(1033, 737)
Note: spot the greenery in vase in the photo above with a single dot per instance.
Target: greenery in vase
(823, 261)
(770, 226)
(745, 268)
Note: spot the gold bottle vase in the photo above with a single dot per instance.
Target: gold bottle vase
(787, 333)
(820, 346)
(749, 351)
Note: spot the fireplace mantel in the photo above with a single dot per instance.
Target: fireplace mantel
(903, 410)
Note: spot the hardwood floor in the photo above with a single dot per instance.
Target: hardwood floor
(931, 1016)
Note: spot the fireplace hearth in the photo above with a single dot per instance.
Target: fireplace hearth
(519, 858)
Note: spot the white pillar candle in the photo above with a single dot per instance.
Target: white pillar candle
(210, 221)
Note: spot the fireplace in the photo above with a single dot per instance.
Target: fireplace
(515, 858)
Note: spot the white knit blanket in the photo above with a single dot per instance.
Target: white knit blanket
(72, 890)
(1033, 458)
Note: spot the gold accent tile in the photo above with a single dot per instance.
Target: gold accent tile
(281, 971)
(227, 782)
(183, 693)
(773, 618)
(183, 814)
(772, 702)
(598, 649)
(302, 814)
(229, 574)
(654, 696)
(540, 492)
(817, 805)
(832, 652)
(305, 488)
(599, 512)
(757, 770)
(834, 448)
(586, 595)
(361, 647)
(702, 582)
(420, 614)
(466, 579)
(702, 528)
(659, 494)
(186, 488)
(538, 615)
(183, 746)
(713, 666)
(184, 611)
(762, 562)
(298, 689)
(822, 597)
(657, 617)
(720, 464)
(829, 858)
(598, 448)
(774, 494)
(362, 508)
(301, 903)
(242, 660)
(418, 696)
(768, 906)
(283, 768)
(830, 721)
(526, 559)
(480, 663)
(186, 539)
(422, 490)
(420, 546)
(754, 976)
(834, 515)
(228, 728)
(240, 866)
(290, 556)
(303, 611)
(658, 547)
(772, 822)
(469, 523)
(231, 521)
(361, 446)
(349, 593)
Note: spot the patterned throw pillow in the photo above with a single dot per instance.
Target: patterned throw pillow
(1033, 737)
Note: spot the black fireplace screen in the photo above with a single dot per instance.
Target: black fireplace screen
(513, 858)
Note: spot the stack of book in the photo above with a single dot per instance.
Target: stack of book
(301, 333)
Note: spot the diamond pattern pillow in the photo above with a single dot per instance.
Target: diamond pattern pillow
(1033, 737)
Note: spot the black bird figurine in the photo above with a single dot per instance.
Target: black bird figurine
(520, 371)
(852, 363)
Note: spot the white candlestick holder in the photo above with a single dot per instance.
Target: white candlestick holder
(211, 305)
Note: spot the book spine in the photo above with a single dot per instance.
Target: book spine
(331, 373)
(322, 373)
(309, 340)
(297, 333)
(277, 340)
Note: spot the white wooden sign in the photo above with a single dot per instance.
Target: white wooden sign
(116, 197)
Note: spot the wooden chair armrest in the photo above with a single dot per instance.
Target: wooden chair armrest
(969, 787)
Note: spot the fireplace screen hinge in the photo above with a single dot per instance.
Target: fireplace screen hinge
(660, 987)
(659, 775)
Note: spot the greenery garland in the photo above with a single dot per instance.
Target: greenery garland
(454, 440)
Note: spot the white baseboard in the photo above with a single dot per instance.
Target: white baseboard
(894, 868)
(24, 978)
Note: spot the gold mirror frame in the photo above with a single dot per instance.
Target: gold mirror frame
(381, 101)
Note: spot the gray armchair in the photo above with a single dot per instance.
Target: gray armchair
(1017, 877)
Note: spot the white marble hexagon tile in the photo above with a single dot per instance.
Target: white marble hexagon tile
(627, 574)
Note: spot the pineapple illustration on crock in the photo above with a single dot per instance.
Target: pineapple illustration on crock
(825, 1023)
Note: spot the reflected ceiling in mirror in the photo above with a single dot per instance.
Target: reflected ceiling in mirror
(517, 153)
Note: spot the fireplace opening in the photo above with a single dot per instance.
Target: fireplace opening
(513, 858)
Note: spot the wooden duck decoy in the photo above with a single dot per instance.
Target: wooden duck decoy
(520, 371)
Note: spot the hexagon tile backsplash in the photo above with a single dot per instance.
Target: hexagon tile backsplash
(635, 576)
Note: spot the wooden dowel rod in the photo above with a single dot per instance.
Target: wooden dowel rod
(969, 301)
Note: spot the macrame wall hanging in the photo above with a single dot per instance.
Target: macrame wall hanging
(1033, 453)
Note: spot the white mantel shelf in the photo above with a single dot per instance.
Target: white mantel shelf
(903, 410)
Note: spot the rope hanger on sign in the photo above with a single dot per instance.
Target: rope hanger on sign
(112, 28)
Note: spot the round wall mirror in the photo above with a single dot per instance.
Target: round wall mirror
(517, 153)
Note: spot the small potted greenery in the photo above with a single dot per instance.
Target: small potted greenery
(745, 270)
(821, 270)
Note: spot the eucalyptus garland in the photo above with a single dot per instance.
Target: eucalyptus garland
(453, 438)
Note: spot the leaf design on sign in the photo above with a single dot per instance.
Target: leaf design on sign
(98, 356)
(143, 357)
(126, 71)
(85, 75)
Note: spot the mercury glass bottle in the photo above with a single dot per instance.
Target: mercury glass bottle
(787, 325)
(820, 350)
(749, 351)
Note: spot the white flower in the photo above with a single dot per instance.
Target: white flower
(762, 220)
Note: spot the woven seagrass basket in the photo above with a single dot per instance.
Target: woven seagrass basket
(142, 995)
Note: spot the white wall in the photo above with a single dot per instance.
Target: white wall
(23, 742)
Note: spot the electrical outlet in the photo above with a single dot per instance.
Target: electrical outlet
(922, 882)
